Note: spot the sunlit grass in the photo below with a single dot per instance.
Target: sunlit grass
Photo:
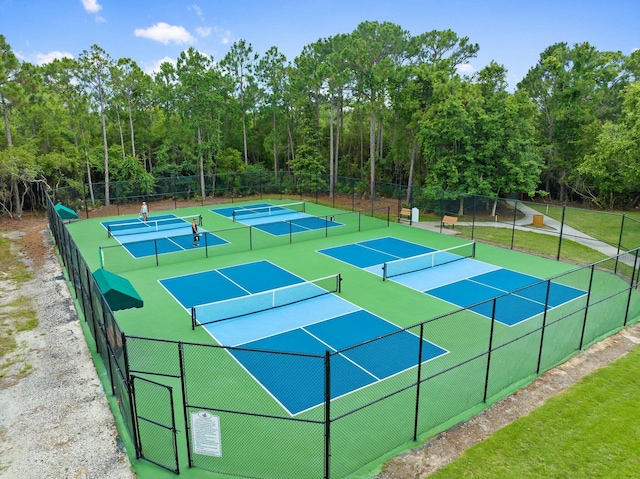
(590, 430)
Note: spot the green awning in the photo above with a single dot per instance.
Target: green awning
(118, 291)
(65, 212)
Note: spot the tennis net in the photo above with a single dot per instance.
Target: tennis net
(139, 226)
(428, 260)
(263, 301)
(261, 211)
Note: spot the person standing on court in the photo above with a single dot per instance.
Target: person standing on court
(196, 234)
(144, 211)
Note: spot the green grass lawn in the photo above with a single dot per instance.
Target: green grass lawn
(590, 430)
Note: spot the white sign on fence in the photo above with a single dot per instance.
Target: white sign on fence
(206, 434)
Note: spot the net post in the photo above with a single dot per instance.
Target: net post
(199, 220)
(384, 271)
(101, 257)
(473, 249)
(109, 231)
(339, 288)
(193, 318)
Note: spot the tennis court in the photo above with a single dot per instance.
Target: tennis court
(459, 279)
(277, 220)
(265, 335)
(160, 234)
(260, 306)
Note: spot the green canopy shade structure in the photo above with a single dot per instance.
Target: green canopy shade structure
(65, 212)
(118, 291)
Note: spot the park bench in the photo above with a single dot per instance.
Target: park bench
(449, 220)
(405, 212)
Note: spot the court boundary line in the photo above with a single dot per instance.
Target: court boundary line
(336, 351)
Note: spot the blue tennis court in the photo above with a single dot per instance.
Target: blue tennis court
(277, 220)
(159, 235)
(458, 279)
(294, 324)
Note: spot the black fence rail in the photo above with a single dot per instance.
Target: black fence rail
(478, 216)
(116, 258)
(340, 434)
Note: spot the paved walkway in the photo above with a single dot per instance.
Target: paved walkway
(551, 227)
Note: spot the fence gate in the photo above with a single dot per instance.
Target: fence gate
(155, 423)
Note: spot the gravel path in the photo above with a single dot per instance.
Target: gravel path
(55, 421)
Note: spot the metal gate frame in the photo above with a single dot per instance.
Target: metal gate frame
(148, 418)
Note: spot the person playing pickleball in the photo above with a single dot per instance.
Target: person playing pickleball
(196, 234)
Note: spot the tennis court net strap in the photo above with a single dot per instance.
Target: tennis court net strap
(261, 211)
(428, 260)
(263, 301)
(137, 227)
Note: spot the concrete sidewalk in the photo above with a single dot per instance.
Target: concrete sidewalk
(551, 227)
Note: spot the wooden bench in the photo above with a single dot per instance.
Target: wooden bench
(449, 220)
(405, 212)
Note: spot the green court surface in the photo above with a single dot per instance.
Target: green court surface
(257, 437)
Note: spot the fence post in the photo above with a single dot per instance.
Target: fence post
(415, 421)
(84, 194)
(564, 209)
(544, 324)
(473, 220)
(615, 268)
(586, 308)
(133, 409)
(493, 322)
(631, 286)
(513, 226)
(183, 384)
(327, 414)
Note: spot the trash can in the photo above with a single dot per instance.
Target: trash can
(538, 220)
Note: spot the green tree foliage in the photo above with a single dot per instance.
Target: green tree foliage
(376, 103)
(612, 171)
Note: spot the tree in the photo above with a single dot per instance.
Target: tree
(198, 100)
(10, 94)
(272, 73)
(572, 88)
(95, 74)
(239, 64)
(379, 49)
(612, 170)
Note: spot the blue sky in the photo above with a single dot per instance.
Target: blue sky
(513, 33)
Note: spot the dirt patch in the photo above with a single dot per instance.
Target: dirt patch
(55, 421)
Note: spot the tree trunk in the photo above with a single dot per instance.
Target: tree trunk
(372, 156)
(414, 152)
(124, 154)
(133, 139)
(86, 159)
(275, 144)
(201, 164)
(331, 152)
(5, 116)
(244, 137)
(105, 146)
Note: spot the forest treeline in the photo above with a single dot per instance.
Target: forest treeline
(375, 104)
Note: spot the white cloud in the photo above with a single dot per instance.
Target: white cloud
(466, 69)
(155, 66)
(42, 58)
(197, 9)
(91, 6)
(164, 33)
(100, 19)
(203, 31)
(224, 36)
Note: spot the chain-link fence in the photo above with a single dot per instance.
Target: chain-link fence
(485, 361)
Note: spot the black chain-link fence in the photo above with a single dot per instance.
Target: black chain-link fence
(485, 361)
